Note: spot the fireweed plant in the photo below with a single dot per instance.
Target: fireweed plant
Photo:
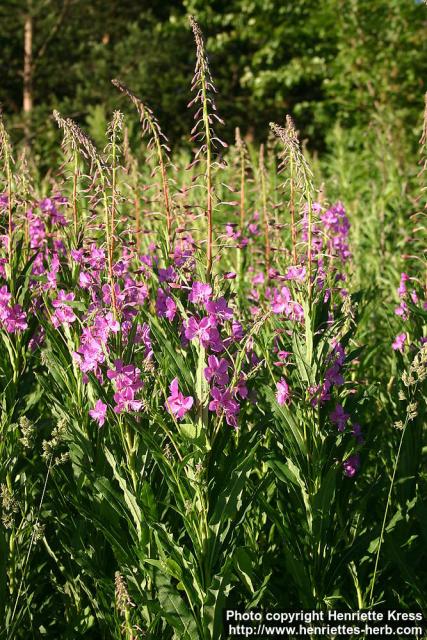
(190, 417)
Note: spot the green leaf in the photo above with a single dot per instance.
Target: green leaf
(127, 494)
(214, 604)
(174, 609)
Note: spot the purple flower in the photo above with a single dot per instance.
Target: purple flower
(15, 319)
(165, 306)
(283, 394)
(5, 296)
(402, 310)
(339, 417)
(90, 355)
(63, 313)
(281, 300)
(229, 230)
(336, 228)
(217, 371)
(351, 465)
(414, 296)
(296, 273)
(283, 357)
(338, 353)
(127, 382)
(36, 230)
(223, 403)
(200, 293)
(401, 291)
(170, 309)
(135, 293)
(357, 433)
(258, 278)
(320, 393)
(333, 375)
(295, 311)
(219, 309)
(120, 268)
(167, 275)
(125, 376)
(120, 296)
(104, 325)
(182, 255)
(193, 330)
(241, 389)
(77, 255)
(37, 339)
(282, 303)
(253, 229)
(236, 330)
(205, 330)
(147, 260)
(51, 275)
(177, 404)
(59, 247)
(47, 205)
(143, 335)
(96, 258)
(93, 342)
(399, 342)
(99, 412)
(125, 400)
(38, 265)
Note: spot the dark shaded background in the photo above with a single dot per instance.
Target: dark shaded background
(346, 61)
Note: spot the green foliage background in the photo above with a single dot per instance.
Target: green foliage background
(324, 62)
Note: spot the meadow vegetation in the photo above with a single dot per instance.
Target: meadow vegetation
(213, 376)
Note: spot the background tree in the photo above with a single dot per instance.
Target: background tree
(335, 61)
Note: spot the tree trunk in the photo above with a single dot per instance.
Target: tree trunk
(27, 104)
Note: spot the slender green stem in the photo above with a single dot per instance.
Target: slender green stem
(75, 185)
(309, 247)
(264, 211)
(381, 540)
(292, 208)
(242, 187)
(31, 543)
(10, 221)
(131, 457)
(107, 225)
(208, 175)
(242, 205)
(165, 186)
(113, 195)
